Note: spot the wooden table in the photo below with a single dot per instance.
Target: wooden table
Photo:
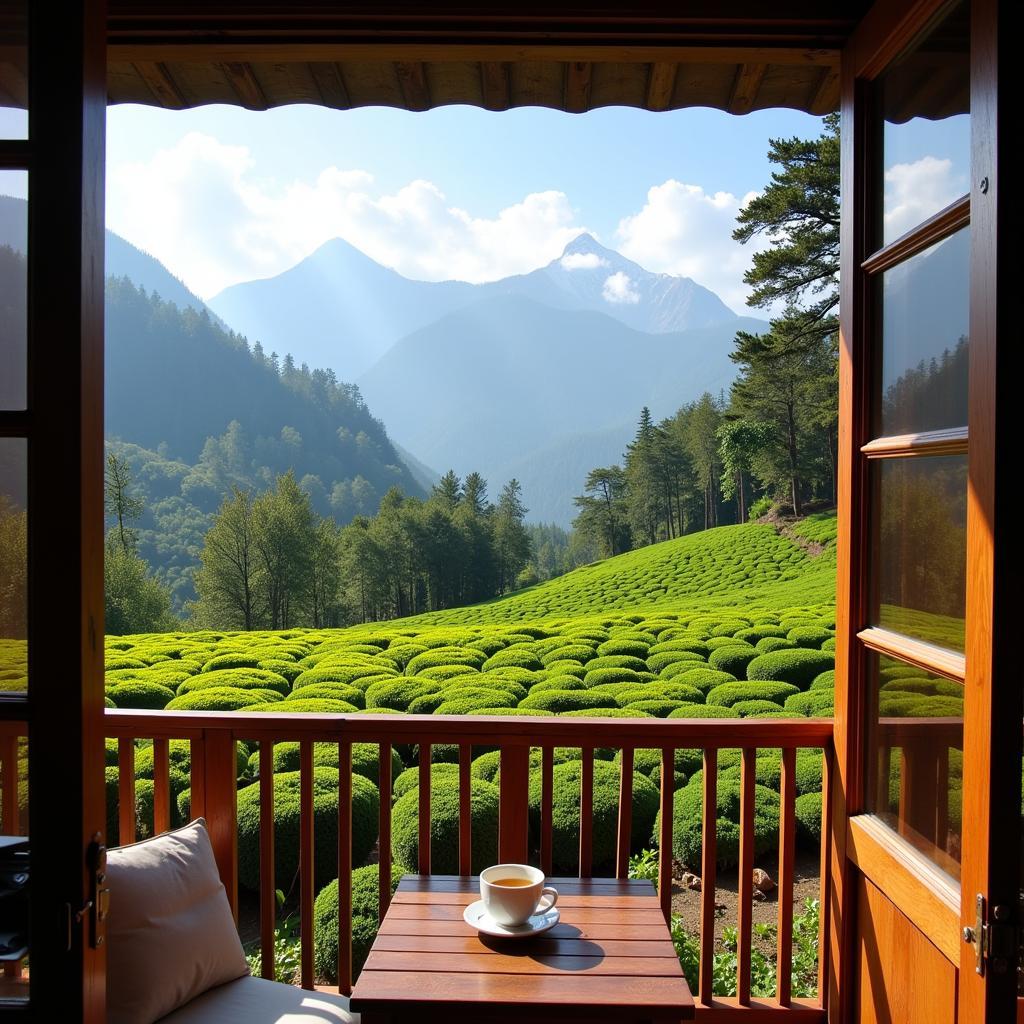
(609, 958)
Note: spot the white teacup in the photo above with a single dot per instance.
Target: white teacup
(512, 893)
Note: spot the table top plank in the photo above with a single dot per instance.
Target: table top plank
(622, 996)
(579, 915)
(573, 945)
(610, 957)
(531, 964)
(598, 931)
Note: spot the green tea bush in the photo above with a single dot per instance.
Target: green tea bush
(808, 772)
(327, 691)
(808, 820)
(615, 712)
(365, 910)
(289, 670)
(408, 780)
(233, 660)
(732, 693)
(626, 661)
(445, 656)
(733, 660)
(471, 705)
(687, 821)
(704, 679)
(558, 683)
(365, 807)
(756, 708)
(513, 657)
(799, 667)
(570, 652)
(629, 648)
(223, 698)
(239, 678)
(446, 672)
(825, 681)
(704, 711)
(137, 694)
(444, 827)
(560, 701)
(599, 676)
(811, 703)
(774, 643)
(565, 812)
(398, 695)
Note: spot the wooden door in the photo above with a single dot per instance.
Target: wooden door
(52, 118)
(923, 826)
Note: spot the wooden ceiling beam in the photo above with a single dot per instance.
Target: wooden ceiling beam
(745, 87)
(161, 84)
(412, 78)
(330, 83)
(826, 93)
(661, 84)
(240, 77)
(495, 85)
(578, 76)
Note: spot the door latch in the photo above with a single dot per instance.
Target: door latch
(98, 905)
(994, 938)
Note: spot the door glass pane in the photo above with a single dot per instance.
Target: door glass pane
(920, 554)
(13, 288)
(925, 109)
(13, 566)
(924, 317)
(13, 69)
(915, 757)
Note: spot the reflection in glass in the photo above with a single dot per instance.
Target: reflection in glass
(13, 69)
(13, 566)
(920, 554)
(915, 758)
(13, 289)
(924, 318)
(924, 101)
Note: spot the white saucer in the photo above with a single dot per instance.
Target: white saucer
(476, 916)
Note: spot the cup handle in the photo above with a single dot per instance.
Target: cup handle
(543, 907)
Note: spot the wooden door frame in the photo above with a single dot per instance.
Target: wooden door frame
(63, 425)
(991, 865)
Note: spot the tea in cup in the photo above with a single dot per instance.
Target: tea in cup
(513, 893)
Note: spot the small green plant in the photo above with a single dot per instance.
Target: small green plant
(287, 948)
(644, 865)
(759, 508)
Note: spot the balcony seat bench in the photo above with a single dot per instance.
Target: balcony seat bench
(257, 1001)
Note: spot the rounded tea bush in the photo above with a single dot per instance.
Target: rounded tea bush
(733, 660)
(229, 661)
(704, 679)
(658, 708)
(349, 674)
(560, 701)
(365, 807)
(444, 826)
(615, 712)
(565, 812)
(558, 683)
(774, 643)
(398, 694)
(809, 636)
(703, 711)
(799, 667)
(729, 694)
(327, 691)
(825, 681)
(808, 772)
(134, 693)
(811, 703)
(687, 821)
(513, 657)
(756, 708)
(318, 706)
(808, 820)
(223, 698)
(240, 678)
(408, 780)
(365, 908)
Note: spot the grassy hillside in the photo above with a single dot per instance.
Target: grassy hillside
(751, 566)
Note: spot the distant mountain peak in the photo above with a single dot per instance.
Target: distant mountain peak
(585, 244)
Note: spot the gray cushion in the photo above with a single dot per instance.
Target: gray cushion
(256, 1001)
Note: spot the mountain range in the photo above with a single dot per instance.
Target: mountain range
(339, 308)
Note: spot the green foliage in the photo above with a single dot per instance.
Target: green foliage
(566, 812)
(560, 701)
(222, 698)
(808, 819)
(799, 667)
(729, 694)
(365, 806)
(444, 826)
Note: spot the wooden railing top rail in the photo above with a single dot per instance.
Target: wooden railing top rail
(476, 729)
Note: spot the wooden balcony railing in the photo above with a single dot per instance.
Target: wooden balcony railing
(213, 738)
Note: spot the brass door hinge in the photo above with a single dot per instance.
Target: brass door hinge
(994, 938)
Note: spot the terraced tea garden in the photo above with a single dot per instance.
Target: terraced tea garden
(734, 623)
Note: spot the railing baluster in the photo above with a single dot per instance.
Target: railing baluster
(9, 785)
(384, 830)
(708, 879)
(307, 861)
(547, 793)
(197, 784)
(824, 905)
(465, 809)
(514, 808)
(424, 810)
(787, 845)
(345, 867)
(125, 791)
(161, 784)
(745, 885)
(625, 826)
(268, 888)
(221, 789)
(587, 812)
(668, 776)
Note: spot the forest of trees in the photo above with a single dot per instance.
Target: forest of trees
(269, 561)
(774, 436)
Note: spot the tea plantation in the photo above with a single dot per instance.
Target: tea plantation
(731, 623)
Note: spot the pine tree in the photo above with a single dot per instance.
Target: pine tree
(119, 503)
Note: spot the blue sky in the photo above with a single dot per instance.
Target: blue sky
(221, 194)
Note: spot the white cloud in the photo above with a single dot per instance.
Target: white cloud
(618, 289)
(582, 261)
(684, 230)
(914, 191)
(201, 208)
